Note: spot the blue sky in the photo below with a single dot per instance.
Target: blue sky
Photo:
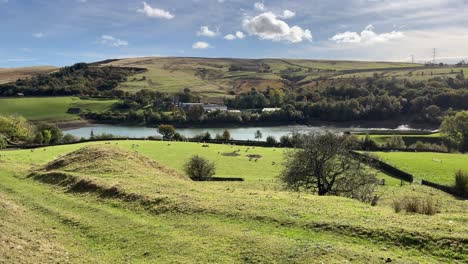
(62, 32)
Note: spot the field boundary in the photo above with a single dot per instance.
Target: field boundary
(402, 175)
(384, 167)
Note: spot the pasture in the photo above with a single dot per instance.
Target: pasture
(51, 108)
(172, 219)
(436, 167)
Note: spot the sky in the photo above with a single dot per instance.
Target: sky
(63, 32)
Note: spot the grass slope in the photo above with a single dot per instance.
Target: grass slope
(50, 108)
(175, 74)
(435, 167)
(174, 220)
(12, 74)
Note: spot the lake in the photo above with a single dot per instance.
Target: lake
(237, 133)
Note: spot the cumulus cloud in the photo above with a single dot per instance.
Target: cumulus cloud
(240, 35)
(112, 41)
(201, 45)
(38, 35)
(155, 12)
(268, 26)
(288, 14)
(206, 32)
(237, 35)
(367, 36)
(259, 6)
(230, 37)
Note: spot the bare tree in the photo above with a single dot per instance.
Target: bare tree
(323, 164)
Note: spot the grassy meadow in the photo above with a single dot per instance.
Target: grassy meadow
(436, 167)
(50, 108)
(123, 201)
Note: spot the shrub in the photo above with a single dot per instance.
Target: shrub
(199, 168)
(421, 146)
(417, 205)
(68, 138)
(203, 136)
(395, 142)
(461, 182)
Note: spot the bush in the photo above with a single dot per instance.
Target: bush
(395, 142)
(199, 168)
(203, 137)
(417, 205)
(422, 146)
(461, 182)
(68, 138)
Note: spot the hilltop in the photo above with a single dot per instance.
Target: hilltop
(12, 74)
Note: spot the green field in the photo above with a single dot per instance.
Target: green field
(381, 139)
(50, 108)
(435, 167)
(170, 219)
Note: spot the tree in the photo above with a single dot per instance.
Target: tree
(39, 139)
(195, 113)
(15, 128)
(47, 136)
(199, 168)
(258, 135)
(455, 130)
(271, 141)
(56, 134)
(3, 142)
(323, 164)
(226, 135)
(167, 131)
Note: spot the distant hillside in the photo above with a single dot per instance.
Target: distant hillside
(12, 74)
(215, 77)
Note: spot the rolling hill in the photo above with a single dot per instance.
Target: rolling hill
(12, 74)
(221, 77)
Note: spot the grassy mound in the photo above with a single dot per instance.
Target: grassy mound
(107, 159)
(104, 170)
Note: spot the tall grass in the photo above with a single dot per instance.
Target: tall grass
(416, 205)
(461, 182)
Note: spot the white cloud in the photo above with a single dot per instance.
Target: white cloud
(201, 45)
(367, 36)
(268, 26)
(240, 35)
(38, 35)
(206, 32)
(237, 35)
(230, 37)
(259, 6)
(288, 14)
(112, 41)
(155, 12)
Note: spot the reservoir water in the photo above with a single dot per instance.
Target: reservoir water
(237, 133)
